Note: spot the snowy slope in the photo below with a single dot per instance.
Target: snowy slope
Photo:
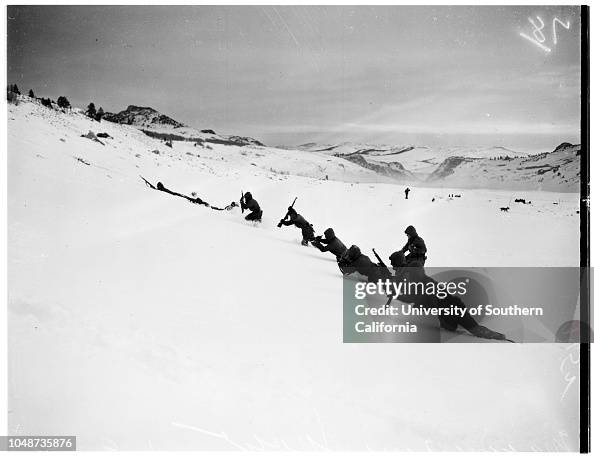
(140, 321)
(137, 150)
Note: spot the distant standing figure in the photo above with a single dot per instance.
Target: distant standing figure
(406, 191)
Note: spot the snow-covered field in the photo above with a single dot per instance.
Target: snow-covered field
(140, 321)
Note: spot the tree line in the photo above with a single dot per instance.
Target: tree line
(12, 93)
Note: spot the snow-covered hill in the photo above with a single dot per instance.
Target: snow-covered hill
(162, 126)
(420, 160)
(137, 149)
(488, 167)
(140, 321)
(385, 150)
(140, 116)
(558, 171)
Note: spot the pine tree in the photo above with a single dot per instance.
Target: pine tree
(15, 89)
(11, 97)
(63, 102)
(31, 93)
(91, 111)
(99, 114)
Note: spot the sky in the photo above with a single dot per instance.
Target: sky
(288, 75)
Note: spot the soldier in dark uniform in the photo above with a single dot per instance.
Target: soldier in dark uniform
(415, 246)
(249, 203)
(307, 230)
(353, 261)
(331, 242)
(402, 271)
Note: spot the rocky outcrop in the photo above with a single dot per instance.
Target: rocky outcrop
(142, 116)
(564, 146)
(447, 167)
(392, 169)
(158, 125)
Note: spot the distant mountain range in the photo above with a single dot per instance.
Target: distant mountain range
(488, 167)
(558, 170)
(480, 167)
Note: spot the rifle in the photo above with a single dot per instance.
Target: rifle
(386, 272)
(241, 202)
(287, 215)
(379, 259)
(147, 183)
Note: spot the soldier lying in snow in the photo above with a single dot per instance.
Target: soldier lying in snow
(195, 200)
(331, 242)
(355, 261)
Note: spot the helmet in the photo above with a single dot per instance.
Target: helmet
(410, 230)
(354, 252)
(397, 259)
(247, 196)
(329, 234)
(291, 210)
